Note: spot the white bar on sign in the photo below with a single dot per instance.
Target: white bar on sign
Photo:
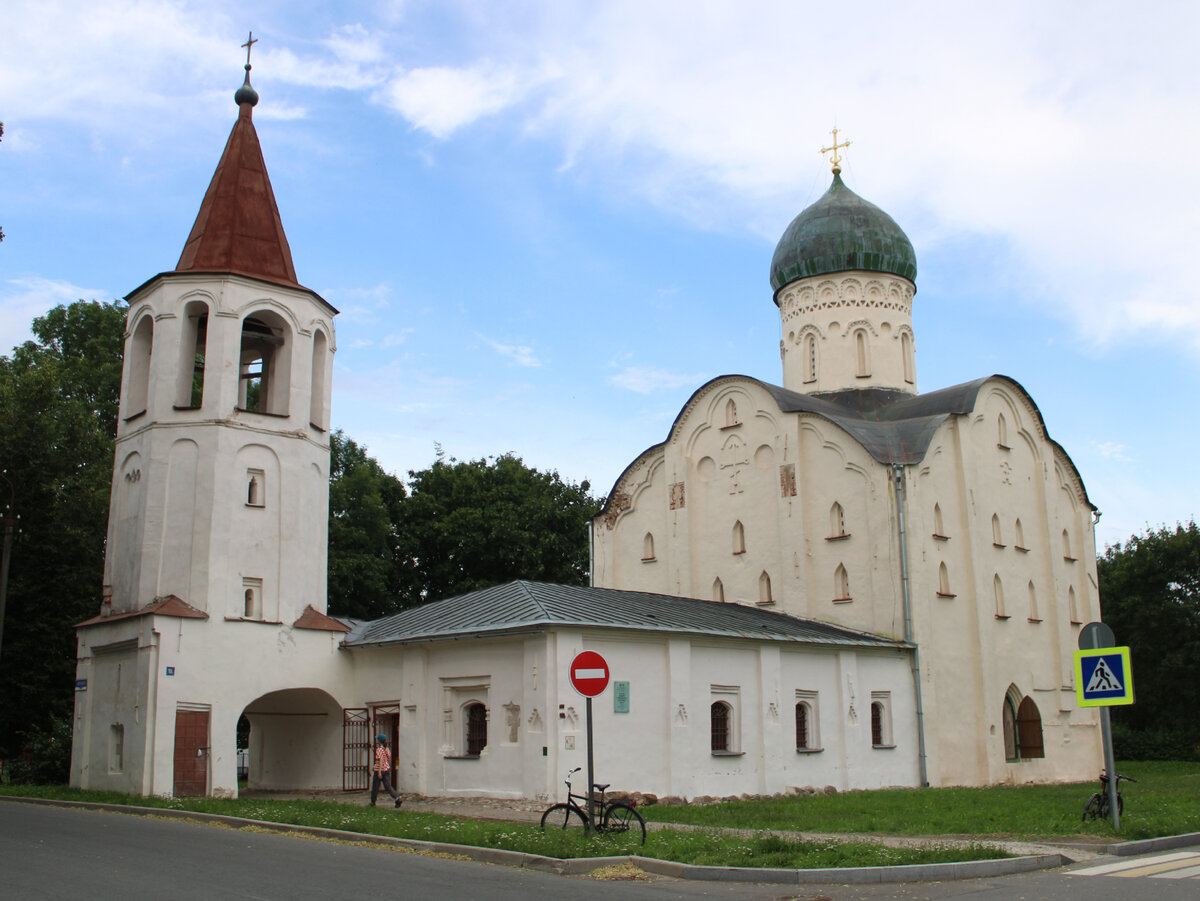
(590, 673)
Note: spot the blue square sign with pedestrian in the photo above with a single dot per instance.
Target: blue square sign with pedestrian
(1103, 677)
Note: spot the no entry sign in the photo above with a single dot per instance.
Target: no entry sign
(589, 673)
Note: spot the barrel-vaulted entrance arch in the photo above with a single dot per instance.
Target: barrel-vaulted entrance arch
(295, 740)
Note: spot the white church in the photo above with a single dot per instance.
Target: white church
(833, 582)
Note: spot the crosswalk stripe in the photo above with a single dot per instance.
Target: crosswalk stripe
(1189, 873)
(1179, 859)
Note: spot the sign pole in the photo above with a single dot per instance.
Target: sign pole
(1111, 766)
(592, 770)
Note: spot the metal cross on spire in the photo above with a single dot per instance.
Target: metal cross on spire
(837, 168)
(252, 40)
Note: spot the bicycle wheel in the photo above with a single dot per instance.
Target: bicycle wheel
(621, 817)
(563, 816)
(1091, 810)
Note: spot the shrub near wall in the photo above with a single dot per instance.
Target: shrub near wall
(1155, 744)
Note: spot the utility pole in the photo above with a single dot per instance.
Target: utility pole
(10, 526)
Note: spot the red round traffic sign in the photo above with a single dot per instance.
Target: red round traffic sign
(589, 673)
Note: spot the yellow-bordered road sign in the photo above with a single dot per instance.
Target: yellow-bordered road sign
(1103, 677)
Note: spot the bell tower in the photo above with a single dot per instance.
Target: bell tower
(220, 483)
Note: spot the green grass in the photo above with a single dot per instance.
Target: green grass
(694, 846)
(1165, 801)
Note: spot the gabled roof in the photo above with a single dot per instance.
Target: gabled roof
(169, 605)
(524, 606)
(892, 426)
(238, 228)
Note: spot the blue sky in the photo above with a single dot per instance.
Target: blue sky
(547, 223)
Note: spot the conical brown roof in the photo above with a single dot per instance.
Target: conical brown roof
(238, 228)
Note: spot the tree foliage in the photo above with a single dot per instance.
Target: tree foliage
(469, 525)
(58, 406)
(1150, 593)
(366, 562)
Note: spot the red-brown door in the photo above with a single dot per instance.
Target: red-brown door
(191, 752)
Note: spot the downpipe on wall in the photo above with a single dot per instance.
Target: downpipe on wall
(898, 478)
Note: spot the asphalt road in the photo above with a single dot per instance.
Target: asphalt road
(57, 853)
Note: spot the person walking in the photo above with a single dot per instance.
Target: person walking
(382, 772)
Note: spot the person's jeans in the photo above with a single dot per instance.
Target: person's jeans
(386, 779)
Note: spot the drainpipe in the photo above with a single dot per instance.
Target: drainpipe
(898, 473)
(591, 526)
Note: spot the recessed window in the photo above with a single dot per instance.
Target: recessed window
(861, 357)
(906, 352)
(997, 535)
(1002, 432)
(1019, 535)
(764, 589)
(252, 600)
(881, 719)
(190, 391)
(718, 591)
(998, 592)
(808, 736)
(256, 488)
(731, 413)
(939, 530)
(647, 548)
(1066, 546)
(944, 582)
(1034, 615)
(1073, 607)
(137, 374)
(476, 722)
(810, 358)
(317, 392)
(837, 522)
(739, 538)
(723, 719)
(841, 585)
(116, 748)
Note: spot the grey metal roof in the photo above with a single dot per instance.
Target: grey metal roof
(522, 606)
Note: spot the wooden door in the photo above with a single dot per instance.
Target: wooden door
(191, 752)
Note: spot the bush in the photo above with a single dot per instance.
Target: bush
(1155, 744)
(45, 756)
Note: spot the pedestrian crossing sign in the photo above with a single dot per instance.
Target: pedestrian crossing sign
(1103, 677)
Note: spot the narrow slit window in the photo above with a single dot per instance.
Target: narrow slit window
(997, 535)
(718, 591)
(998, 591)
(764, 589)
(837, 521)
(648, 547)
(841, 584)
(739, 538)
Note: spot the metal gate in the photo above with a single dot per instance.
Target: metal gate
(356, 749)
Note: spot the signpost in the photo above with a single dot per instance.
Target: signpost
(1103, 678)
(589, 676)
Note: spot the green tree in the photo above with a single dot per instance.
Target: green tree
(469, 525)
(366, 576)
(1150, 594)
(58, 409)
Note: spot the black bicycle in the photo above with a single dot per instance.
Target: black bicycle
(613, 817)
(1098, 807)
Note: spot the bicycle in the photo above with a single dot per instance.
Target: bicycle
(1098, 807)
(614, 817)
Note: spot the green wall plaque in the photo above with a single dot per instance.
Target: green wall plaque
(620, 697)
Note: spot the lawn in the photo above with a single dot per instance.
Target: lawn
(1166, 801)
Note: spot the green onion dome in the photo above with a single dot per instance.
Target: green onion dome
(841, 232)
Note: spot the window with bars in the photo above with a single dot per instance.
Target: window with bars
(476, 725)
(721, 717)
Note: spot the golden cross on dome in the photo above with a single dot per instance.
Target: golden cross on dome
(252, 40)
(835, 148)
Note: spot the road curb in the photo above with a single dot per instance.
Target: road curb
(579, 866)
(1146, 845)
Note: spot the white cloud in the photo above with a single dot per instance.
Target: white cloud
(24, 299)
(441, 100)
(648, 379)
(518, 354)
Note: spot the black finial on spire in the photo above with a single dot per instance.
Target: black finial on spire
(247, 94)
